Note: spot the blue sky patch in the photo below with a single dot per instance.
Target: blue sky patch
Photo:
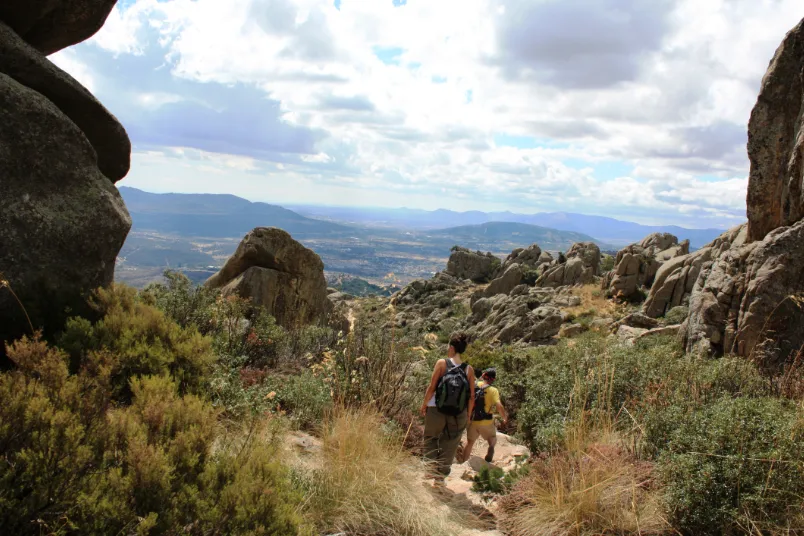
(399, 3)
(337, 4)
(470, 96)
(388, 55)
(439, 79)
(606, 171)
(520, 142)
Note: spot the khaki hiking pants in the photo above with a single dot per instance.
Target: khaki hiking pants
(442, 435)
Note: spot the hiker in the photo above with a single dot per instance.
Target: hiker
(487, 399)
(448, 401)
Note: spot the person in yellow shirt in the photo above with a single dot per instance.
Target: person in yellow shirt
(487, 399)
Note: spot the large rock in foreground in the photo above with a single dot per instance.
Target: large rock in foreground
(581, 266)
(776, 142)
(27, 66)
(62, 222)
(279, 274)
(474, 265)
(51, 25)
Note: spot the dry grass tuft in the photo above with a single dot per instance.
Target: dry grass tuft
(367, 484)
(600, 490)
(593, 299)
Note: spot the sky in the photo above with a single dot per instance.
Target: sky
(633, 109)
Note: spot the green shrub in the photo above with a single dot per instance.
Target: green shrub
(482, 356)
(607, 263)
(530, 276)
(304, 397)
(73, 464)
(185, 303)
(493, 480)
(140, 340)
(653, 380)
(735, 464)
(676, 315)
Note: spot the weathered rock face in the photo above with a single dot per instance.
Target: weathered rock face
(474, 265)
(581, 266)
(676, 278)
(62, 221)
(503, 284)
(51, 25)
(517, 317)
(428, 305)
(776, 142)
(527, 258)
(636, 265)
(747, 300)
(277, 273)
(27, 66)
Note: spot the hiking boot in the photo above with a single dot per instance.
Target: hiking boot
(489, 455)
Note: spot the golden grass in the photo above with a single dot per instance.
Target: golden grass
(593, 484)
(600, 490)
(593, 298)
(367, 484)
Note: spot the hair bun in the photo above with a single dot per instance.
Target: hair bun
(459, 341)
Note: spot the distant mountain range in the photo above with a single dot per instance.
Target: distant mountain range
(217, 215)
(196, 233)
(607, 230)
(492, 235)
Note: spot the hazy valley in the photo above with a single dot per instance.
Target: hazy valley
(196, 233)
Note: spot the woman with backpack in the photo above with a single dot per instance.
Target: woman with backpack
(448, 402)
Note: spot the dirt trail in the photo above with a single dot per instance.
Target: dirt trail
(459, 495)
(477, 514)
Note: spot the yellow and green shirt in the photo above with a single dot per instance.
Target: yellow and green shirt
(492, 398)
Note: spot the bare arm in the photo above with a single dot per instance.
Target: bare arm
(438, 370)
(502, 412)
(470, 373)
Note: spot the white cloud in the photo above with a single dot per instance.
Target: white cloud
(662, 92)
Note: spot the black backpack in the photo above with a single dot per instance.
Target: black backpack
(452, 391)
(479, 412)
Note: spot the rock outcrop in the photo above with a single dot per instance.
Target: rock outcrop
(278, 273)
(676, 278)
(428, 305)
(776, 142)
(580, 268)
(62, 221)
(51, 25)
(474, 265)
(748, 299)
(527, 317)
(636, 266)
(29, 67)
(529, 258)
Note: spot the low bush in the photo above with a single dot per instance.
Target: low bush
(676, 315)
(183, 302)
(737, 466)
(75, 464)
(139, 340)
(493, 480)
(304, 398)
